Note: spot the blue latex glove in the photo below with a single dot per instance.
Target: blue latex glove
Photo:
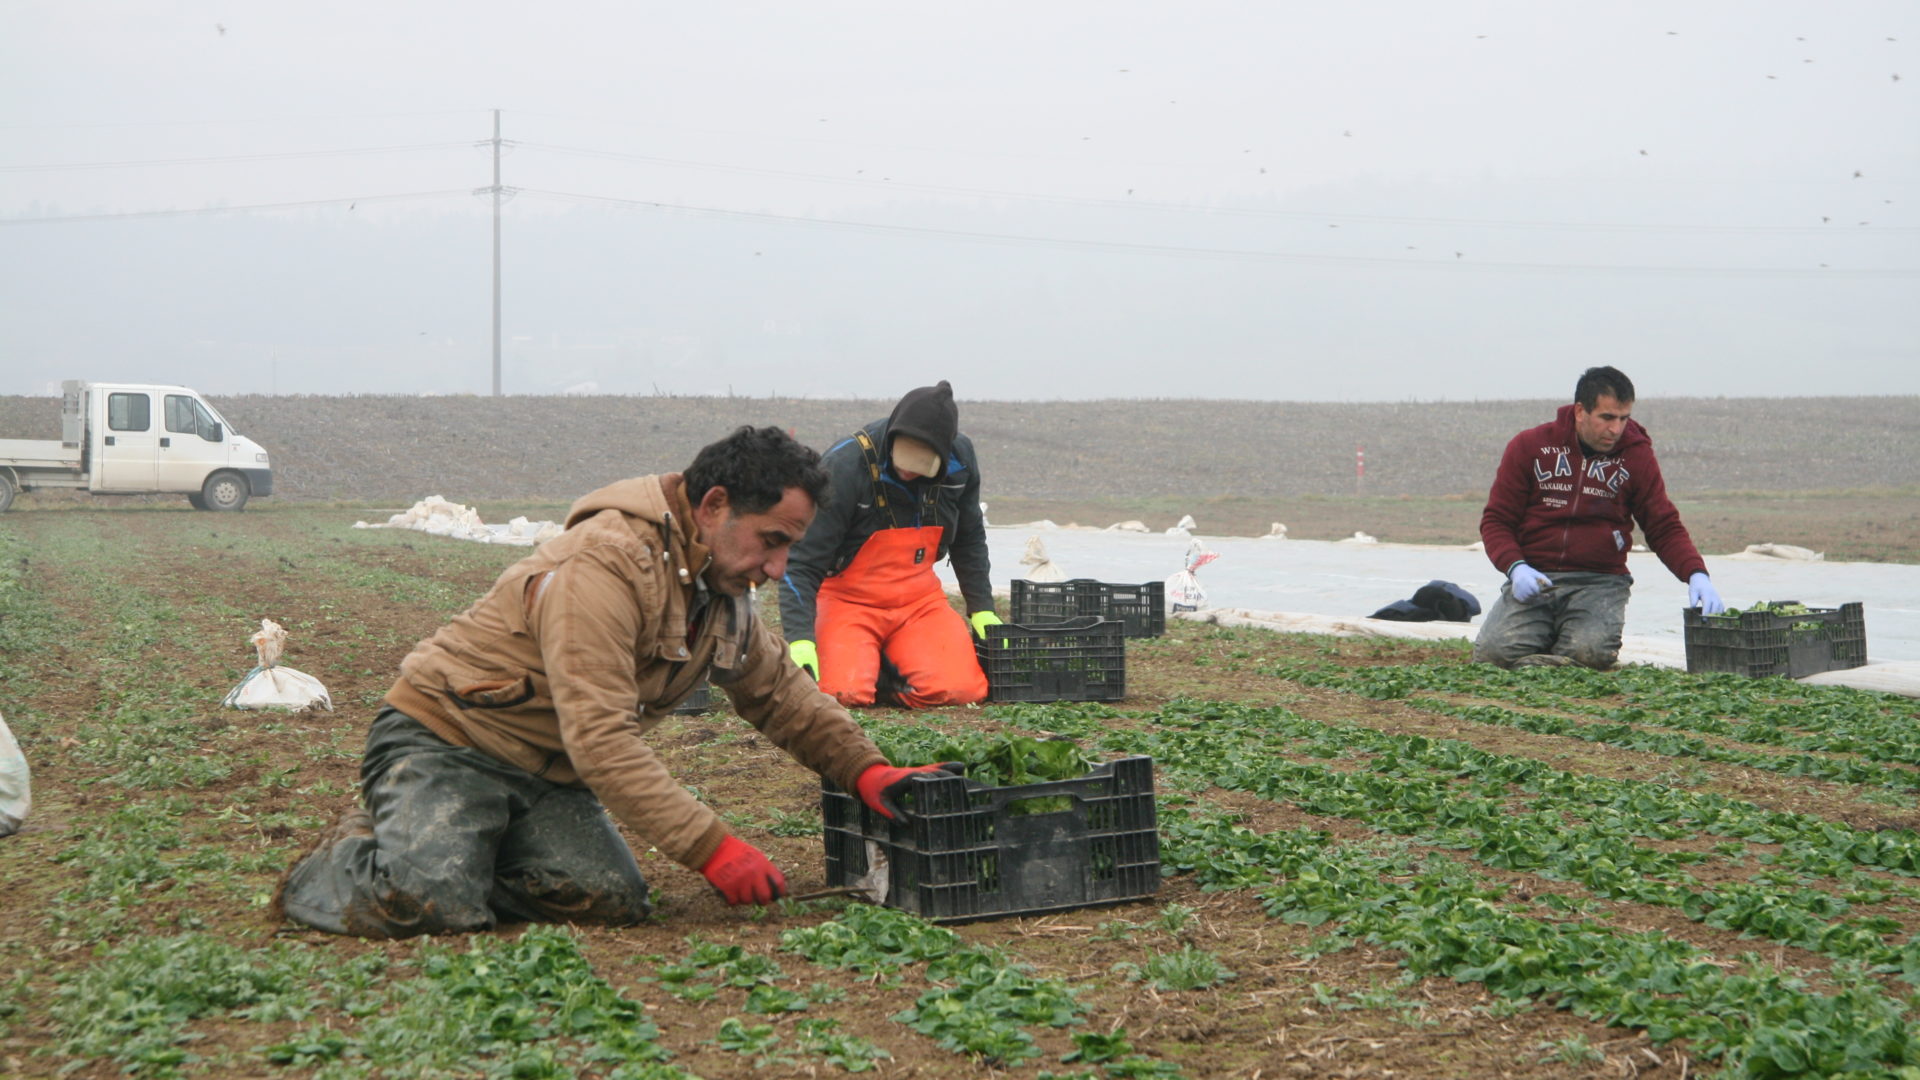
(1527, 582)
(1702, 594)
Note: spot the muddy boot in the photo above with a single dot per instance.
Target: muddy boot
(355, 822)
(1543, 660)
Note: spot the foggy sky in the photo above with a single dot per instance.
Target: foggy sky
(1382, 201)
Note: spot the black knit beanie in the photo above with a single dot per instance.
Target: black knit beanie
(927, 414)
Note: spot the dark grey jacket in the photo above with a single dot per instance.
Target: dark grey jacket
(850, 516)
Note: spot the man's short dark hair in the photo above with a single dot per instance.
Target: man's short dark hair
(1596, 381)
(756, 466)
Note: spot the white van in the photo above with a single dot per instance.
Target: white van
(130, 439)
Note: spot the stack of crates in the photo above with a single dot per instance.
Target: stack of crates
(966, 851)
(1142, 608)
(1761, 643)
(1075, 660)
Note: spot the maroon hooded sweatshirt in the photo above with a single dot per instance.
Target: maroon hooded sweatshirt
(1554, 508)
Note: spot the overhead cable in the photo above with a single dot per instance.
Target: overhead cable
(1177, 251)
(349, 201)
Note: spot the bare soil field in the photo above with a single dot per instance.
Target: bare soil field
(1837, 475)
(471, 448)
(1379, 861)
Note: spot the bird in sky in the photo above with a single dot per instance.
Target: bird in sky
(222, 28)
(1459, 254)
(1857, 174)
(1643, 153)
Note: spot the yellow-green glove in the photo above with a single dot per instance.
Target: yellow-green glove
(981, 620)
(807, 657)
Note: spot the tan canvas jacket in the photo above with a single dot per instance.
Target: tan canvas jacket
(583, 646)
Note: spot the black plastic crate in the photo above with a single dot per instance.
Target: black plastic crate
(1076, 660)
(1760, 643)
(698, 703)
(1143, 608)
(963, 852)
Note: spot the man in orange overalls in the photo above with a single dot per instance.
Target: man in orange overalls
(860, 590)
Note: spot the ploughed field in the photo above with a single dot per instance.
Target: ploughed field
(1833, 474)
(1379, 860)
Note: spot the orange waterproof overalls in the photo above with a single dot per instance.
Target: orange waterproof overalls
(888, 599)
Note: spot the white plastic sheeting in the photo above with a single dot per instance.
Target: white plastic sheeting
(436, 516)
(1346, 581)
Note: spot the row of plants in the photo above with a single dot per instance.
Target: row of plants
(1632, 736)
(1772, 712)
(1762, 1022)
(980, 1003)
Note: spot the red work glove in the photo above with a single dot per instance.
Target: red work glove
(880, 785)
(743, 875)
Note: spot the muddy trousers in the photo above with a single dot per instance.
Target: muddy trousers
(461, 841)
(1581, 619)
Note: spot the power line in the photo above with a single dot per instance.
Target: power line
(251, 120)
(347, 152)
(1145, 204)
(348, 201)
(1179, 251)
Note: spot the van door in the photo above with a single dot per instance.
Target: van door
(128, 442)
(191, 444)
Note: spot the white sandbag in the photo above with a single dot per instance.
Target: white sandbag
(269, 686)
(1183, 588)
(1184, 527)
(1359, 537)
(1134, 526)
(16, 787)
(1039, 566)
(1278, 532)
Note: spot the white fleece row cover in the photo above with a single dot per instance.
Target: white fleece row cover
(1344, 582)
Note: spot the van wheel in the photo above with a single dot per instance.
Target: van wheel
(224, 491)
(6, 493)
(194, 500)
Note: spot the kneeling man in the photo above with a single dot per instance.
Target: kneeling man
(1559, 522)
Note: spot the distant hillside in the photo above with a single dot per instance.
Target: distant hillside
(472, 448)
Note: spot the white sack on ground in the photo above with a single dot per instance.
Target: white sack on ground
(1278, 532)
(1135, 526)
(1183, 588)
(16, 787)
(1039, 567)
(269, 686)
(1359, 537)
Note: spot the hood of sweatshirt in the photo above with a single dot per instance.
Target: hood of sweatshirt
(927, 414)
(657, 501)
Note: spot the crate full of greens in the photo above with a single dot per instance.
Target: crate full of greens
(1033, 826)
(1782, 637)
(1080, 659)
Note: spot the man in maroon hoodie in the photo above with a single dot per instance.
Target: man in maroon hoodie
(1559, 522)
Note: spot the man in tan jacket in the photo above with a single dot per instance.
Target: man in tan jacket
(517, 727)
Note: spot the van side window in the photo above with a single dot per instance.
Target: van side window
(180, 414)
(129, 412)
(188, 417)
